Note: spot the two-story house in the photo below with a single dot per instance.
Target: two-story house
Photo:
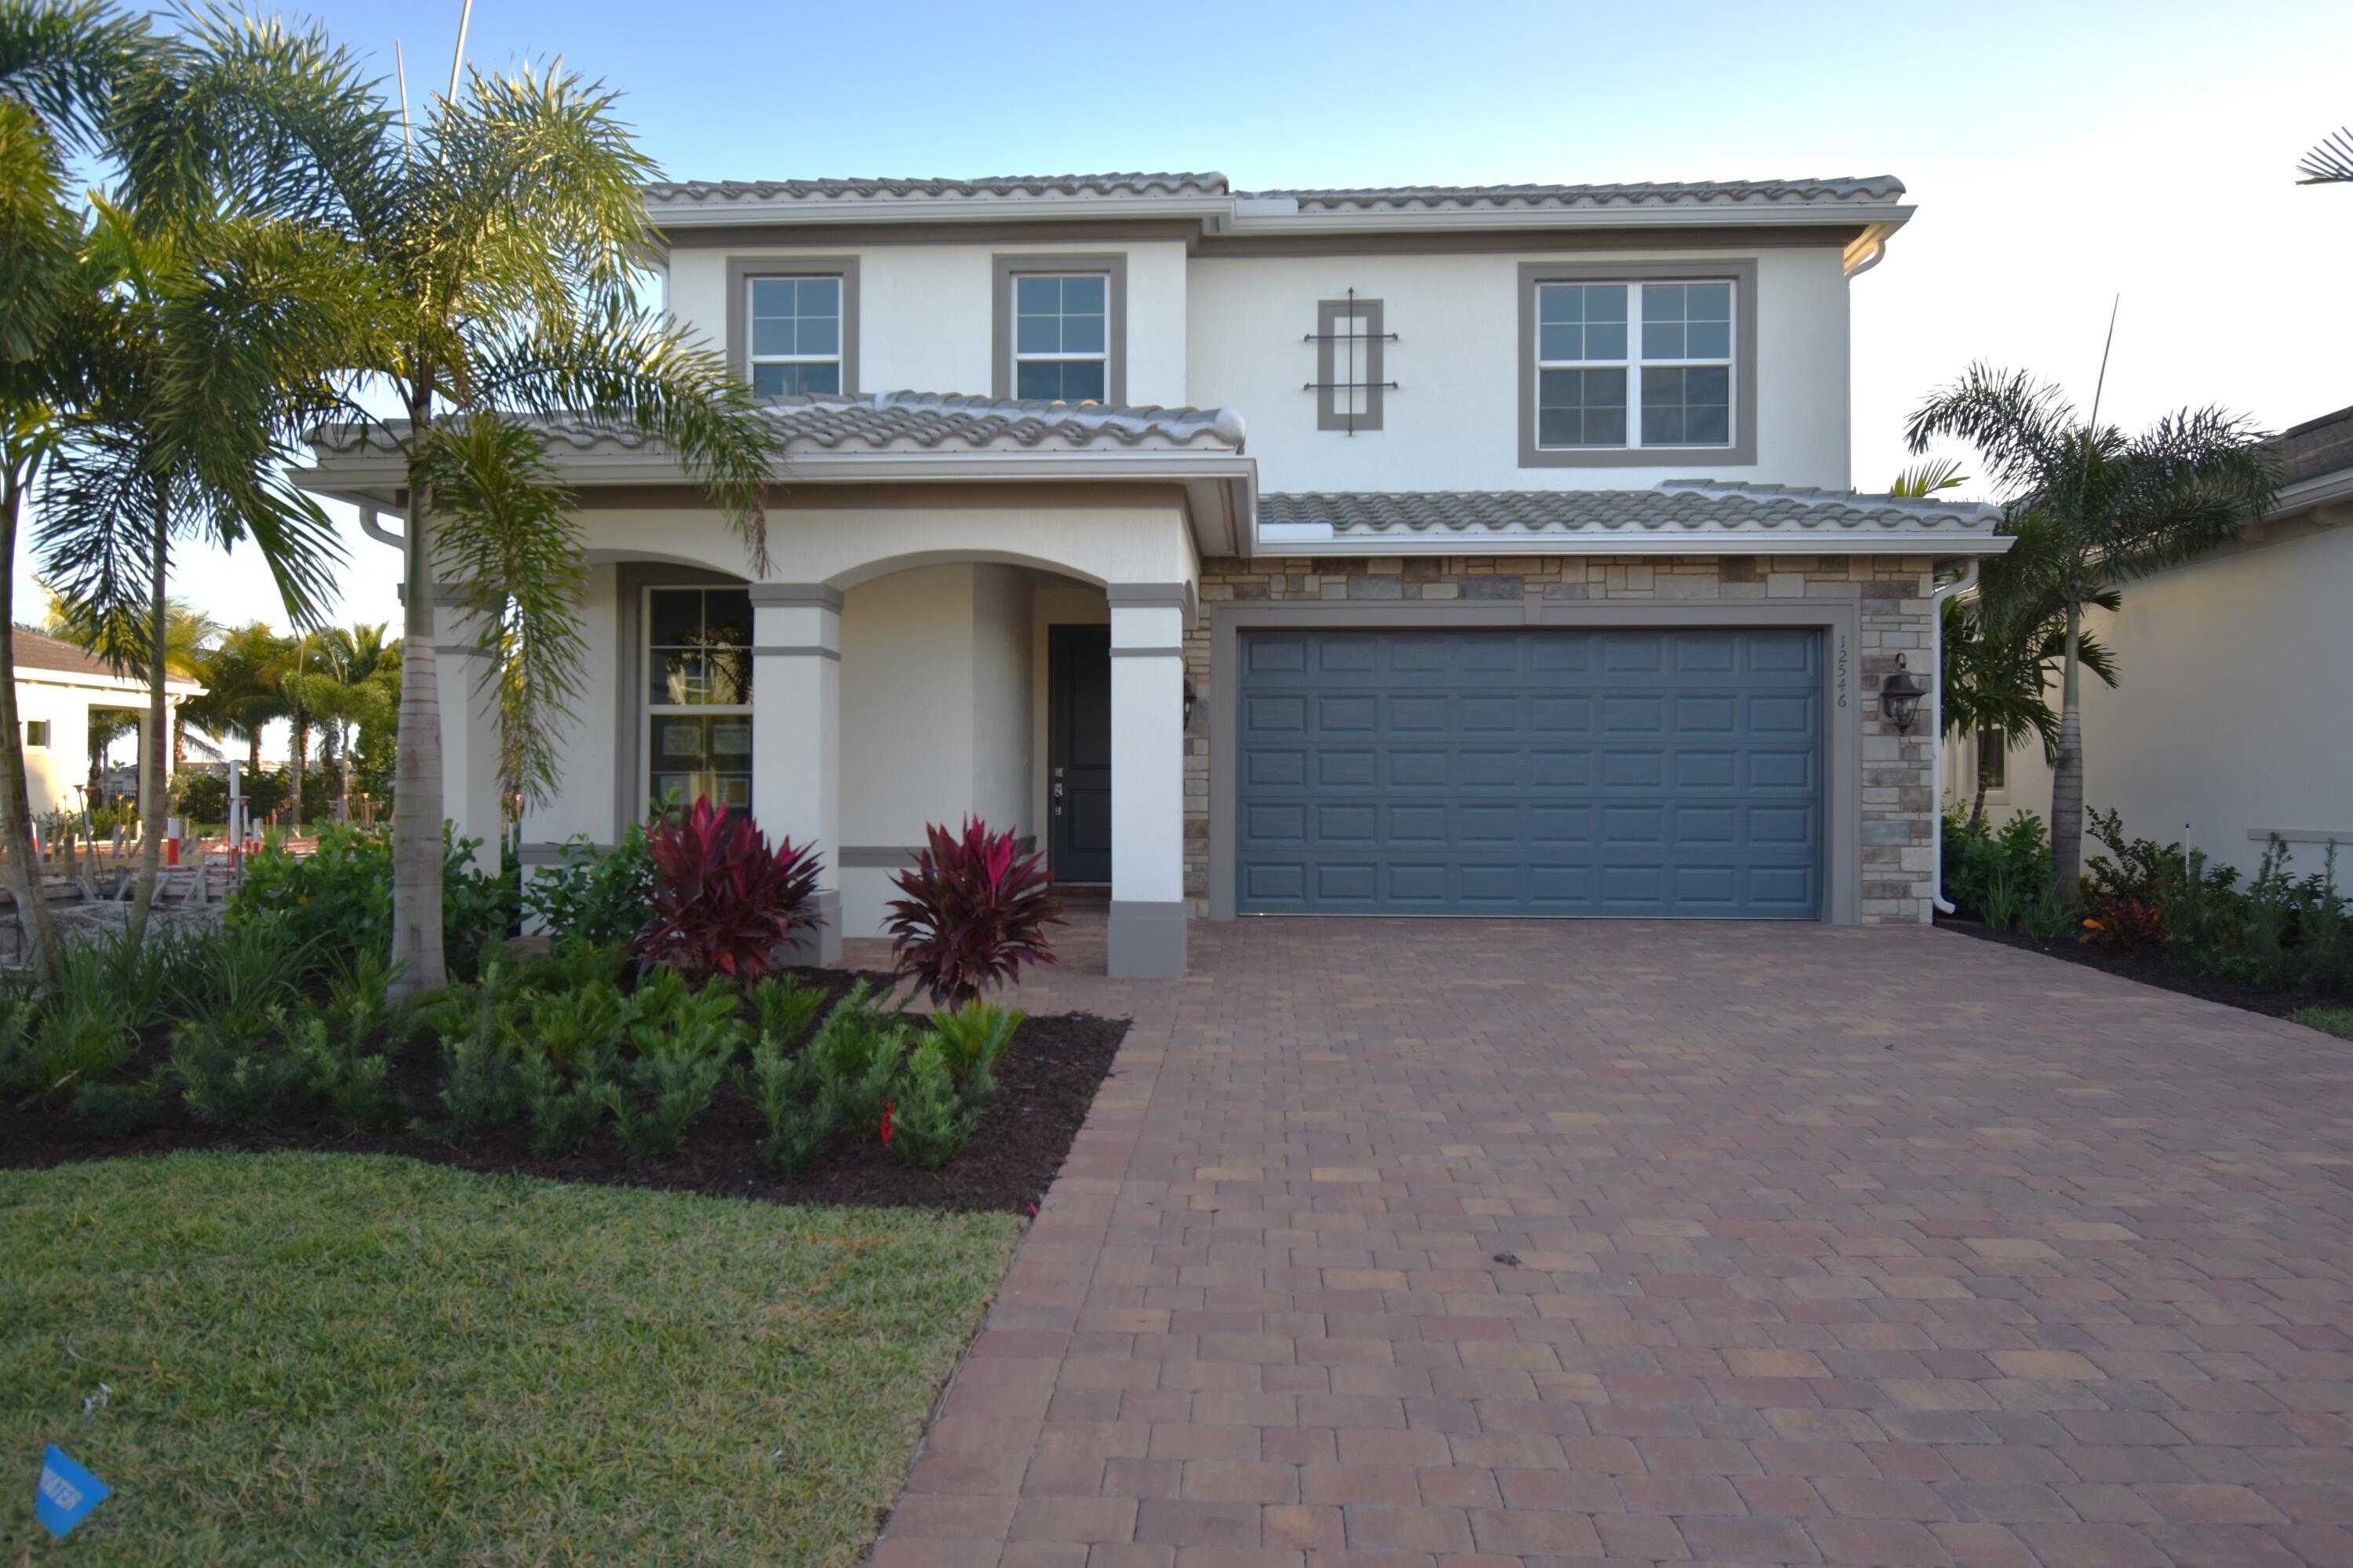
(1442, 550)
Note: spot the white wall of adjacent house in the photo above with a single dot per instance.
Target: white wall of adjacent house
(54, 768)
(2230, 720)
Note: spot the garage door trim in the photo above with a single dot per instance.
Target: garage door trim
(1842, 697)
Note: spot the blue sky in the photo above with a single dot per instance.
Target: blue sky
(2061, 154)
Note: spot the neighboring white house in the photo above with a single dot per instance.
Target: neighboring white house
(57, 684)
(1432, 550)
(2231, 720)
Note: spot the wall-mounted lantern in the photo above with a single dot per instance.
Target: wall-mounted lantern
(1899, 697)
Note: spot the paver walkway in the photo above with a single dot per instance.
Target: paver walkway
(1396, 1245)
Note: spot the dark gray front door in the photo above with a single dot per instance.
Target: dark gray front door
(1530, 772)
(1078, 753)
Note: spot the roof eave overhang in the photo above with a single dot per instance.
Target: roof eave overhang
(1220, 486)
(1243, 216)
(1300, 540)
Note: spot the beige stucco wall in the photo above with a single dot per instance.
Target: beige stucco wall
(1898, 794)
(2231, 715)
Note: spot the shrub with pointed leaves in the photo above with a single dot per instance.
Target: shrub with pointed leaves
(975, 911)
(723, 899)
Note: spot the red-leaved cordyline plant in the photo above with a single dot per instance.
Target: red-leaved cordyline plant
(975, 911)
(723, 899)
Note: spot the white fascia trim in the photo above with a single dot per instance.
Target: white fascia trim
(1211, 211)
(83, 680)
(1885, 217)
(2306, 494)
(1286, 538)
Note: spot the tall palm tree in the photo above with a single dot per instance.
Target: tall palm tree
(353, 682)
(61, 65)
(2104, 508)
(491, 255)
(2330, 162)
(245, 692)
(215, 366)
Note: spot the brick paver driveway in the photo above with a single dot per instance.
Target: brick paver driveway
(1409, 1244)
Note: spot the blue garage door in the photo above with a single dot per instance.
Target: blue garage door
(1535, 773)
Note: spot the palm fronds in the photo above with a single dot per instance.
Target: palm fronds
(2330, 162)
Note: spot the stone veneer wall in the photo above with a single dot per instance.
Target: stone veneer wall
(1899, 788)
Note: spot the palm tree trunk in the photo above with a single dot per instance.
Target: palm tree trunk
(417, 764)
(301, 764)
(179, 742)
(1977, 807)
(151, 738)
(2067, 772)
(40, 932)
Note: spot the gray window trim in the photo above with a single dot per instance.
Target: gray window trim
(1843, 702)
(742, 269)
(1742, 450)
(1005, 269)
(631, 579)
(1372, 363)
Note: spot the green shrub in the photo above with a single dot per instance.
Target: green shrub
(787, 1005)
(597, 898)
(571, 962)
(684, 1048)
(80, 1039)
(857, 1050)
(200, 798)
(931, 1121)
(972, 1040)
(338, 898)
(236, 1069)
(566, 1105)
(114, 1110)
(1994, 875)
(801, 1105)
(578, 1024)
(350, 1077)
(481, 1084)
(239, 973)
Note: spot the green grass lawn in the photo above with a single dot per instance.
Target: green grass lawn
(2328, 1020)
(347, 1359)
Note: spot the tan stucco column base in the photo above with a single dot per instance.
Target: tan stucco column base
(1145, 941)
(817, 946)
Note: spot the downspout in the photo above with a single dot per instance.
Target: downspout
(1965, 582)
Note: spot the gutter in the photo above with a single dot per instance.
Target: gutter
(1968, 580)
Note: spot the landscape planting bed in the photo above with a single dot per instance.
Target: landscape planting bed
(1046, 1081)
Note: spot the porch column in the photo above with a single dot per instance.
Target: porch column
(1147, 932)
(797, 738)
(470, 727)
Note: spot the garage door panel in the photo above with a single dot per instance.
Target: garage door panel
(1426, 772)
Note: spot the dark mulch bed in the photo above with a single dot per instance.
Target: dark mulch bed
(1046, 1081)
(2148, 966)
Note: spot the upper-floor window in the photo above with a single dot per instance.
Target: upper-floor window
(1647, 365)
(795, 334)
(1061, 339)
(37, 733)
(792, 323)
(1059, 327)
(1634, 364)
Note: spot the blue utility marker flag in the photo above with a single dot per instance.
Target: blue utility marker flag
(68, 1492)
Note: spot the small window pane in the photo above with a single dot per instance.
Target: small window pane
(1038, 296)
(1555, 303)
(1710, 339)
(1686, 408)
(1708, 301)
(796, 380)
(1663, 340)
(819, 335)
(1662, 301)
(727, 617)
(1604, 340)
(1083, 334)
(772, 336)
(1581, 408)
(674, 616)
(1040, 335)
(1082, 296)
(1069, 381)
(819, 297)
(772, 297)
